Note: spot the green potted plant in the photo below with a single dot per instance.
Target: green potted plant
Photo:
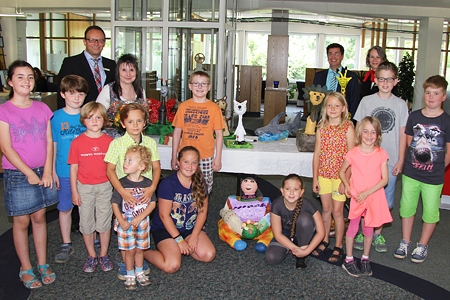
(406, 78)
(292, 92)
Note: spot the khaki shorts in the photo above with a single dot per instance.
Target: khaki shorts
(95, 209)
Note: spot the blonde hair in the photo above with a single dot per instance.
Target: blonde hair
(324, 120)
(91, 108)
(144, 154)
(359, 128)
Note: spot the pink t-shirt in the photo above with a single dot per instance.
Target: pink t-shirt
(89, 154)
(28, 132)
(366, 172)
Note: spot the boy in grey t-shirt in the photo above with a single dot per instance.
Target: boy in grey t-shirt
(393, 114)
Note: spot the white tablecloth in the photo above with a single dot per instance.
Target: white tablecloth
(274, 158)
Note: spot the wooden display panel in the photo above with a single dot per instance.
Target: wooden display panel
(277, 60)
(250, 82)
(274, 103)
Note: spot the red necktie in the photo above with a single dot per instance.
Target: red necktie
(97, 77)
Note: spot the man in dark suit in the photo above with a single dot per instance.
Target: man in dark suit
(83, 64)
(335, 54)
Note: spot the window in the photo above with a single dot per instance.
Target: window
(302, 55)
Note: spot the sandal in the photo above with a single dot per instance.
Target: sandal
(130, 282)
(45, 276)
(142, 279)
(319, 251)
(336, 258)
(29, 283)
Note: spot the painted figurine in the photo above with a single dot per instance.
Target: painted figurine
(246, 217)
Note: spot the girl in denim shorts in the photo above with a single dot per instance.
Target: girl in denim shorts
(27, 147)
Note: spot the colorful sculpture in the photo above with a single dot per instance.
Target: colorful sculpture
(246, 217)
(223, 107)
(240, 108)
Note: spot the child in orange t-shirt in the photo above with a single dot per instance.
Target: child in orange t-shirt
(195, 123)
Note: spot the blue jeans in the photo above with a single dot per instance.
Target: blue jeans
(389, 189)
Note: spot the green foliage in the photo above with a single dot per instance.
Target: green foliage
(406, 78)
(291, 91)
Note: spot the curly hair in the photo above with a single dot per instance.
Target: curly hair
(198, 183)
(299, 205)
(144, 154)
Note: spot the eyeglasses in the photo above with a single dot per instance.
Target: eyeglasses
(383, 79)
(197, 84)
(95, 41)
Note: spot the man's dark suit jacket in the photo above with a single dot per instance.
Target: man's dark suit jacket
(352, 94)
(78, 65)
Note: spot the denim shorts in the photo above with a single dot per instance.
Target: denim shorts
(22, 198)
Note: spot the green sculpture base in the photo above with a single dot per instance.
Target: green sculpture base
(236, 145)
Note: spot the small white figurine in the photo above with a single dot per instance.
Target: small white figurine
(240, 108)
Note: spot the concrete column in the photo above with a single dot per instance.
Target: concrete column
(279, 26)
(428, 55)
(9, 33)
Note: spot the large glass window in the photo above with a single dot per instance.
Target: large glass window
(256, 54)
(349, 43)
(143, 10)
(195, 11)
(302, 55)
(63, 36)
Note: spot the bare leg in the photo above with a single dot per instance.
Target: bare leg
(20, 236)
(129, 259)
(89, 243)
(104, 242)
(205, 251)
(327, 207)
(407, 225)
(167, 258)
(65, 223)
(139, 258)
(427, 232)
(339, 223)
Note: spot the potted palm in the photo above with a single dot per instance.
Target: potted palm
(406, 78)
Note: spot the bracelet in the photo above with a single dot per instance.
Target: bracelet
(176, 236)
(179, 239)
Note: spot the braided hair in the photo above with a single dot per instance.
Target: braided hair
(198, 184)
(298, 208)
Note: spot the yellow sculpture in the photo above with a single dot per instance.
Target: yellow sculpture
(314, 96)
(343, 80)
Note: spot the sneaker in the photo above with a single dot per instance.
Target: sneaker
(122, 271)
(359, 242)
(65, 251)
(402, 250)
(90, 264)
(419, 254)
(366, 270)
(106, 263)
(351, 268)
(300, 263)
(380, 244)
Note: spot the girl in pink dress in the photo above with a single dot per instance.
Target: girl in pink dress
(369, 175)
